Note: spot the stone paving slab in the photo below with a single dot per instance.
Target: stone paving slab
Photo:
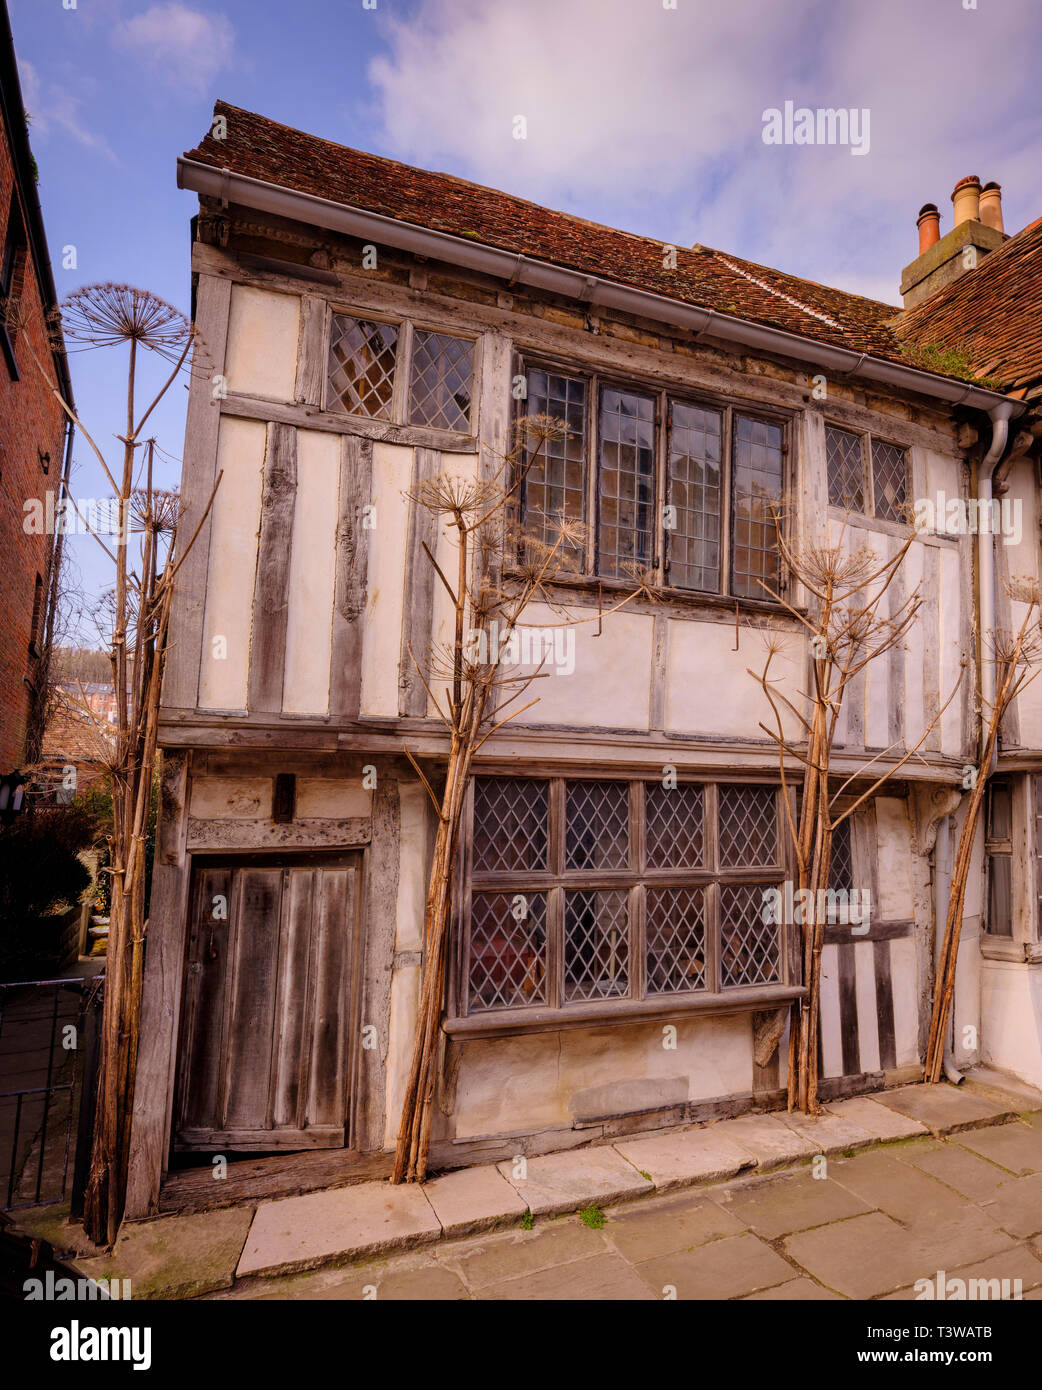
(686, 1156)
(724, 1269)
(772, 1143)
(1018, 1263)
(473, 1199)
(1017, 1206)
(1016, 1147)
(880, 1121)
(828, 1133)
(901, 1190)
(789, 1204)
(948, 1162)
(796, 1290)
(176, 1256)
(550, 1243)
(558, 1183)
(346, 1222)
(860, 1258)
(604, 1278)
(946, 1109)
(664, 1225)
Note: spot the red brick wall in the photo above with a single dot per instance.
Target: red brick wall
(30, 420)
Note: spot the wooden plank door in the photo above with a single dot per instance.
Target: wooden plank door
(265, 1050)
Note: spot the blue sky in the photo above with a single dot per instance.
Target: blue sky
(646, 114)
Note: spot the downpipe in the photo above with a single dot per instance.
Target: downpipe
(1000, 417)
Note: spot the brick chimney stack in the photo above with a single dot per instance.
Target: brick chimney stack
(976, 230)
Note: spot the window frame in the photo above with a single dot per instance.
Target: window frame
(867, 439)
(663, 393)
(401, 386)
(556, 880)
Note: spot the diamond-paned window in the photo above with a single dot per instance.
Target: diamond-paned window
(846, 469)
(674, 828)
(510, 823)
(841, 864)
(598, 825)
(507, 950)
(676, 939)
(441, 381)
(596, 944)
(567, 907)
(748, 945)
(889, 480)
(748, 827)
(361, 366)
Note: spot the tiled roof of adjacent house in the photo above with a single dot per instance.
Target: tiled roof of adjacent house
(263, 149)
(992, 315)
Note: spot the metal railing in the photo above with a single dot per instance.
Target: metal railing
(48, 1061)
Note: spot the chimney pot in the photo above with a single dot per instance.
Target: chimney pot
(929, 225)
(966, 200)
(991, 206)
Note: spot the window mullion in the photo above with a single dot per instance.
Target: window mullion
(555, 896)
(660, 548)
(592, 473)
(866, 468)
(726, 472)
(400, 390)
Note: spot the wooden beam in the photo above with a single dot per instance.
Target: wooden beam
(161, 997)
(311, 418)
(271, 591)
(380, 923)
(311, 357)
(235, 834)
(352, 578)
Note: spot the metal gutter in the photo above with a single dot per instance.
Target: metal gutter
(594, 290)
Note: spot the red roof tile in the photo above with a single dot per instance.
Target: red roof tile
(263, 149)
(993, 314)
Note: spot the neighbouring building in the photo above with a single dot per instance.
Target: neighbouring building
(366, 326)
(35, 438)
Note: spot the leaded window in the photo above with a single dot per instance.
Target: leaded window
(400, 373)
(684, 492)
(866, 474)
(999, 849)
(599, 889)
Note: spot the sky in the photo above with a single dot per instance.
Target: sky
(647, 115)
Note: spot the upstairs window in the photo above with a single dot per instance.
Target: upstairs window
(866, 474)
(12, 276)
(401, 374)
(685, 491)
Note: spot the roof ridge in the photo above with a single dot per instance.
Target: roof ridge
(804, 308)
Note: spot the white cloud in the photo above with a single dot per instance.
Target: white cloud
(53, 104)
(186, 47)
(652, 118)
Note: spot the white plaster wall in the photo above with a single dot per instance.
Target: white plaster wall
(413, 808)
(1011, 1027)
(312, 575)
(463, 468)
(915, 653)
(263, 332)
(388, 540)
(405, 996)
(906, 1001)
(708, 686)
(512, 1085)
(951, 648)
(405, 981)
(611, 681)
(331, 798)
(234, 539)
(894, 866)
(245, 798)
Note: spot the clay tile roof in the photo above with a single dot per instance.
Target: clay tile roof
(992, 314)
(263, 149)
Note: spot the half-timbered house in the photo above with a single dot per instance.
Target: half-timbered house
(364, 325)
